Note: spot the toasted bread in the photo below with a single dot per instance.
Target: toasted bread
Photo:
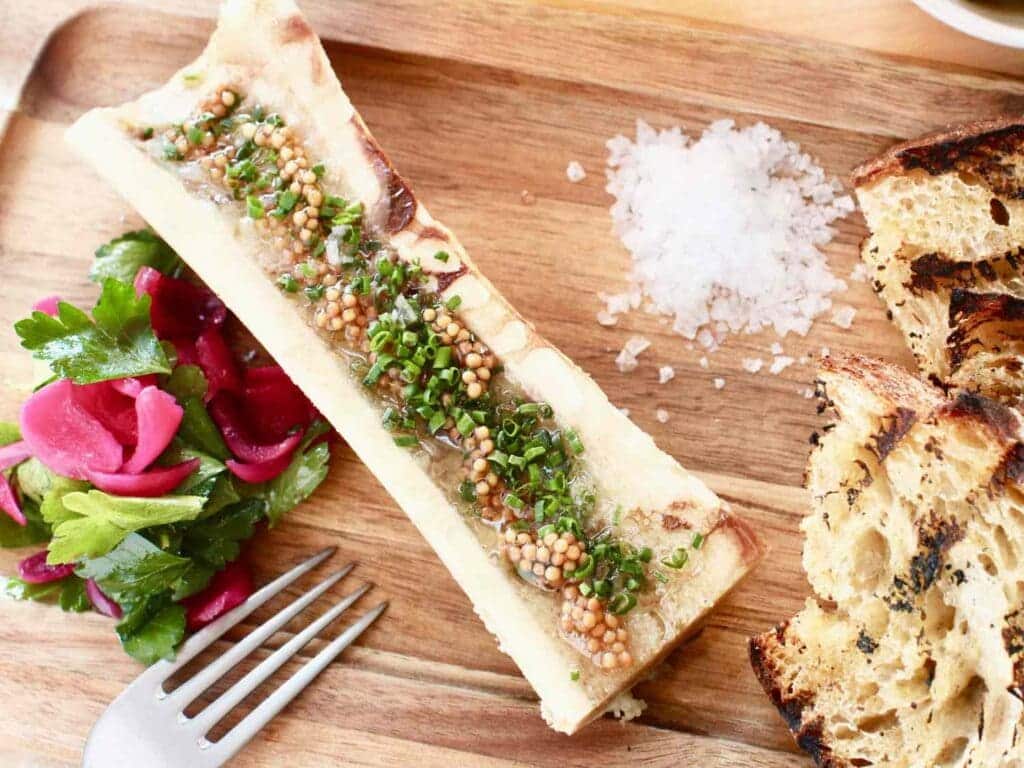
(946, 213)
(913, 654)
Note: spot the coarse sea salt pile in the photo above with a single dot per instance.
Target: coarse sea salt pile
(724, 231)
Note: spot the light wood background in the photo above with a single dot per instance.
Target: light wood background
(478, 101)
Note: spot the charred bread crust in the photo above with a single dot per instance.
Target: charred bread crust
(970, 148)
(809, 736)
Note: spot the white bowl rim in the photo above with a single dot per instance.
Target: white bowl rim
(973, 23)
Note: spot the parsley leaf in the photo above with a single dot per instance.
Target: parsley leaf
(294, 485)
(9, 433)
(34, 531)
(122, 257)
(188, 385)
(73, 598)
(102, 521)
(134, 570)
(68, 592)
(151, 630)
(116, 342)
(216, 540)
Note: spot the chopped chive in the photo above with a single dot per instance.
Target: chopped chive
(574, 675)
(533, 453)
(646, 554)
(465, 424)
(254, 207)
(545, 530)
(574, 441)
(147, 133)
(586, 569)
(442, 256)
(453, 303)
(677, 560)
(319, 170)
(314, 292)
(623, 602)
(513, 501)
(467, 490)
(406, 441)
(443, 357)
(285, 202)
(698, 539)
(288, 283)
(528, 409)
(585, 589)
(194, 135)
(661, 577)
(436, 421)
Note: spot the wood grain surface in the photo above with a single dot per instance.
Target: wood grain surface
(478, 102)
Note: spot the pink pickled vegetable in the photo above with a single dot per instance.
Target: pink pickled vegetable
(261, 472)
(158, 418)
(110, 407)
(228, 589)
(179, 309)
(65, 436)
(218, 363)
(13, 454)
(132, 385)
(226, 414)
(154, 482)
(34, 569)
(47, 305)
(185, 349)
(272, 406)
(9, 502)
(100, 601)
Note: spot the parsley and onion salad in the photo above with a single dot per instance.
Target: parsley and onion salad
(150, 454)
(504, 459)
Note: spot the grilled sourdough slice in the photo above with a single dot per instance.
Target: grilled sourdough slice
(913, 653)
(946, 214)
(541, 498)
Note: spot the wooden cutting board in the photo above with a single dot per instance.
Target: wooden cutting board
(481, 105)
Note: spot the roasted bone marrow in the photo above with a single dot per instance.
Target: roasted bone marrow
(550, 508)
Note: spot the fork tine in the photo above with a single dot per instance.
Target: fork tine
(269, 708)
(189, 690)
(159, 672)
(228, 700)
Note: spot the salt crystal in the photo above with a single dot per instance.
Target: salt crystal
(861, 273)
(752, 364)
(575, 173)
(665, 374)
(661, 415)
(824, 352)
(606, 318)
(719, 383)
(843, 316)
(725, 232)
(776, 348)
(624, 412)
(626, 360)
(779, 364)
(527, 198)
(808, 393)
(703, 362)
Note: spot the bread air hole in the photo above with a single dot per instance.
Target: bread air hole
(953, 752)
(1007, 554)
(879, 723)
(988, 564)
(998, 211)
(870, 560)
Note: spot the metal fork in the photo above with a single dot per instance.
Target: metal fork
(147, 726)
